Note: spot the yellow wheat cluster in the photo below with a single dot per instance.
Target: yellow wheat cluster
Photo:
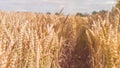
(34, 40)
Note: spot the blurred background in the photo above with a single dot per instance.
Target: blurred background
(52, 6)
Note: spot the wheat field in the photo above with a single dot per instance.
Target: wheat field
(34, 40)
